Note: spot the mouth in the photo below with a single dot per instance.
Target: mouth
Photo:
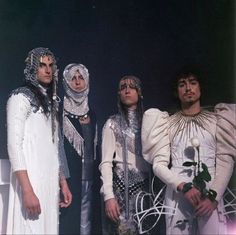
(189, 94)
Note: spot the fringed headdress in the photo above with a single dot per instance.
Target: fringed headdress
(49, 99)
(76, 102)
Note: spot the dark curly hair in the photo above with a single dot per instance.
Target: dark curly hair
(185, 72)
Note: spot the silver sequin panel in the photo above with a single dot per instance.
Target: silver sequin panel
(131, 133)
(25, 91)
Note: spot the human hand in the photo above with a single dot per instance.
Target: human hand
(193, 196)
(112, 209)
(67, 196)
(31, 203)
(206, 207)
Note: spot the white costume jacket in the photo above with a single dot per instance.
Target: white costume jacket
(158, 132)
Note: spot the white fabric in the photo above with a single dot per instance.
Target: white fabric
(5, 171)
(155, 126)
(155, 138)
(180, 152)
(4, 193)
(111, 146)
(155, 142)
(215, 224)
(226, 146)
(30, 148)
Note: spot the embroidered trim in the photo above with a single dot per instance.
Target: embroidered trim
(81, 118)
(75, 139)
(179, 122)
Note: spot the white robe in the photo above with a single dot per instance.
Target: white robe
(31, 148)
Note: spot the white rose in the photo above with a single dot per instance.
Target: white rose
(195, 142)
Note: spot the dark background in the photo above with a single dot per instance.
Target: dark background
(150, 39)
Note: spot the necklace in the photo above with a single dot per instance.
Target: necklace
(81, 118)
(179, 122)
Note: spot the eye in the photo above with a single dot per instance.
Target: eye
(181, 84)
(132, 86)
(194, 82)
(122, 87)
(73, 78)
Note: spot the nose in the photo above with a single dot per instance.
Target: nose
(48, 70)
(188, 86)
(127, 89)
(77, 81)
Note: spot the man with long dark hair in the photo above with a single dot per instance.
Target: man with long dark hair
(34, 146)
(123, 169)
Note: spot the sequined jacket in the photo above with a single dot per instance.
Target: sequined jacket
(112, 153)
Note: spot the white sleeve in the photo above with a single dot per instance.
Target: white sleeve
(226, 129)
(156, 145)
(18, 107)
(226, 146)
(105, 167)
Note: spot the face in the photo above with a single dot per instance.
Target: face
(44, 73)
(77, 83)
(128, 93)
(189, 90)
